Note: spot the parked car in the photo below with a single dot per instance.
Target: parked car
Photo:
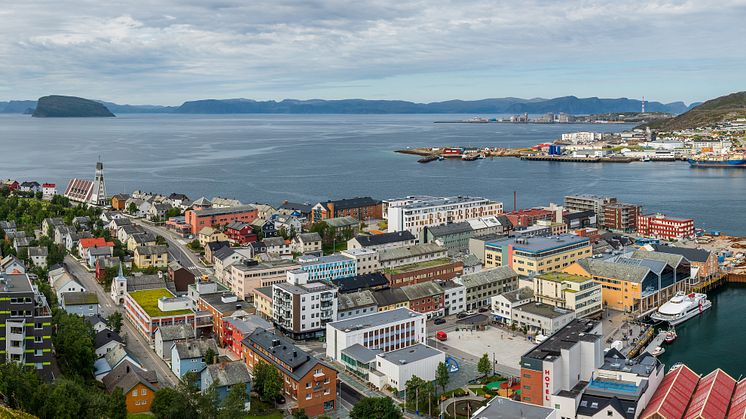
(280, 399)
(439, 320)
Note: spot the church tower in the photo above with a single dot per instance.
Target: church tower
(98, 196)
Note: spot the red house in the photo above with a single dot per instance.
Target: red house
(240, 232)
(10, 184)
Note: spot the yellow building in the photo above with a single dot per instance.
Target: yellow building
(151, 256)
(263, 302)
(209, 235)
(573, 292)
(536, 255)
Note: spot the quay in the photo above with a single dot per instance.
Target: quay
(579, 159)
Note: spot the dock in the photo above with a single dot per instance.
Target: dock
(656, 342)
(579, 159)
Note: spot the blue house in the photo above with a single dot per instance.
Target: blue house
(224, 376)
(189, 356)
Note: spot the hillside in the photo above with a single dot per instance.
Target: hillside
(69, 107)
(17, 106)
(724, 108)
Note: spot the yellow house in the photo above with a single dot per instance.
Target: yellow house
(537, 255)
(209, 235)
(135, 240)
(151, 256)
(263, 302)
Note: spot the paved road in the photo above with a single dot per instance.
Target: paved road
(177, 251)
(136, 343)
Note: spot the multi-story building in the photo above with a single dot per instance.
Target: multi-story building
(540, 318)
(426, 298)
(455, 236)
(537, 254)
(27, 323)
(454, 296)
(622, 217)
(310, 383)
(559, 363)
(441, 269)
(362, 208)
(328, 268)
(356, 304)
(392, 258)
(503, 304)
(151, 256)
(665, 227)
(249, 275)
(301, 308)
(366, 260)
(480, 287)
(211, 217)
(396, 367)
(528, 217)
(593, 203)
(386, 331)
(263, 302)
(572, 292)
(221, 305)
(382, 241)
(149, 309)
(704, 262)
(417, 214)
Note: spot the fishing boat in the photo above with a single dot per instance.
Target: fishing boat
(658, 351)
(681, 308)
(469, 157)
(670, 336)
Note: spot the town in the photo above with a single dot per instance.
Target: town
(355, 307)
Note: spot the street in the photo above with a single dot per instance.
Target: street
(136, 343)
(176, 250)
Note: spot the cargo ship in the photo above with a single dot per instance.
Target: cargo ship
(731, 160)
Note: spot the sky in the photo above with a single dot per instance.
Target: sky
(169, 51)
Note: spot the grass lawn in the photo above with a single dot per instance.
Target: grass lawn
(148, 300)
(140, 415)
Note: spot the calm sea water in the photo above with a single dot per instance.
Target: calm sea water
(270, 158)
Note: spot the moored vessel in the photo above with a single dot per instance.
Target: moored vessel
(681, 308)
(736, 160)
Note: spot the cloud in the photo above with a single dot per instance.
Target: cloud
(175, 50)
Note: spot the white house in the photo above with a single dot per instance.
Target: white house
(399, 366)
(454, 296)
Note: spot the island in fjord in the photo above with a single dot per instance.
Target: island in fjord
(55, 106)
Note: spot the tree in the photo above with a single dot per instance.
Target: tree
(209, 356)
(300, 414)
(267, 381)
(172, 212)
(132, 208)
(375, 407)
(65, 400)
(234, 405)
(441, 376)
(117, 405)
(73, 341)
(169, 403)
(18, 386)
(161, 241)
(115, 321)
(484, 366)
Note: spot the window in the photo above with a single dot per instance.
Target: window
(308, 396)
(134, 393)
(143, 392)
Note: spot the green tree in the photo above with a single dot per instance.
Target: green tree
(441, 376)
(66, 399)
(18, 386)
(267, 381)
(300, 414)
(115, 321)
(484, 366)
(172, 212)
(132, 208)
(375, 407)
(117, 405)
(169, 403)
(209, 356)
(233, 407)
(161, 241)
(73, 341)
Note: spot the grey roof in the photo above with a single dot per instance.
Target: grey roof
(248, 324)
(229, 373)
(410, 251)
(105, 336)
(151, 250)
(453, 228)
(195, 348)
(354, 300)
(274, 241)
(15, 283)
(95, 319)
(144, 237)
(265, 290)
(283, 349)
(38, 251)
(539, 244)
(671, 259)
(380, 318)
(412, 353)
(216, 301)
(237, 225)
(502, 408)
(610, 269)
(176, 332)
(519, 294)
(339, 222)
(357, 202)
(390, 296)
(294, 206)
(223, 253)
(144, 282)
(385, 238)
(116, 355)
(488, 276)
(576, 331)
(79, 298)
(309, 237)
(693, 255)
(421, 290)
(543, 310)
(222, 211)
(469, 260)
(127, 375)
(360, 353)
(357, 282)
(654, 265)
(591, 405)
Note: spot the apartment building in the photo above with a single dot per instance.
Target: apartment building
(454, 296)
(328, 268)
(455, 236)
(442, 269)
(535, 255)
(392, 258)
(211, 217)
(416, 214)
(584, 202)
(382, 241)
(480, 287)
(27, 323)
(301, 308)
(366, 260)
(247, 276)
(362, 208)
(151, 257)
(503, 304)
(621, 217)
(572, 292)
(665, 227)
(386, 331)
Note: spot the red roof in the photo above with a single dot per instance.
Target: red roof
(48, 185)
(672, 396)
(738, 402)
(95, 242)
(712, 397)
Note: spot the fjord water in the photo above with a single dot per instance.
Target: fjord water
(306, 158)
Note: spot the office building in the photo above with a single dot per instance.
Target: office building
(580, 294)
(579, 203)
(535, 255)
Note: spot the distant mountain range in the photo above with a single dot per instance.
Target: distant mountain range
(721, 109)
(567, 104)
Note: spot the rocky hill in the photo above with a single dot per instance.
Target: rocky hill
(69, 107)
(722, 109)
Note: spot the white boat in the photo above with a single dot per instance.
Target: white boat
(658, 351)
(681, 308)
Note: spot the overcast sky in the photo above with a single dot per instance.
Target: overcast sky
(168, 51)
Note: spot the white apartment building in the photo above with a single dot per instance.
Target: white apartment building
(583, 137)
(454, 296)
(571, 292)
(302, 309)
(391, 258)
(503, 304)
(366, 260)
(541, 318)
(386, 330)
(247, 276)
(415, 214)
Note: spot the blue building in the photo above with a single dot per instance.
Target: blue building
(328, 268)
(224, 376)
(189, 356)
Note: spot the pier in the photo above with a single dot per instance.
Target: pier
(579, 159)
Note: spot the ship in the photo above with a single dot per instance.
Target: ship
(727, 160)
(681, 308)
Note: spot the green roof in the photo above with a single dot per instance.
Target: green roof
(148, 300)
(563, 277)
(419, 265)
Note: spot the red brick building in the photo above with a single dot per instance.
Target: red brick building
(425, 298)
(361, 208)
(212, 217)
(665, 227)
(528, 217)
(240, 232)
(434, 270)
(619, 216)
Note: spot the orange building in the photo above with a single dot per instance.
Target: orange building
(361, 208)
(118, 202)
(213, 217)
(139, 386)
(309, 382)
